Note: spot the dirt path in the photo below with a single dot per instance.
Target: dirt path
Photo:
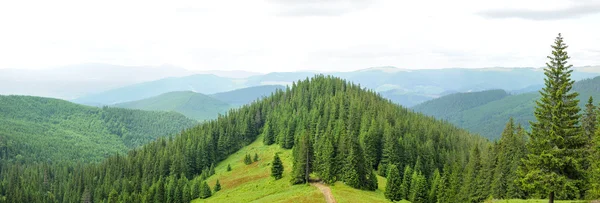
(326, 191)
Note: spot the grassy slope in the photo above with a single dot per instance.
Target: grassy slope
(253, 183)
(191, 104)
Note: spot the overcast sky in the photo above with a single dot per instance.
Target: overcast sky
(291, 35)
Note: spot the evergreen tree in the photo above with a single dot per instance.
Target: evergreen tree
(418, 187)
(205, 190)
(406, 180)
(588, 121)
(247, 159)
(217, 186)
(434, 186)
(255, 157)
(392, 189)
(594, 175)
(195, 190)
(187, 194)
(228, 167)
(269, 133)
(303, 159)
(277, 168)
(556, 148)
(113, 197)
(325, 159)
(470, 189)
(391, 150)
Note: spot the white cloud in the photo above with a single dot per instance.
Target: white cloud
(287, 35)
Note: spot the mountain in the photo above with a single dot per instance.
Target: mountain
(45, 129)
(489, 119)
(247, 95)
(327, 127)
(403, 86)
(449, 105)
(205, 84)
(193, 105)
(70, 82)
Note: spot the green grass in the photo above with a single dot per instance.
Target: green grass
(253, 183)
(344, 193)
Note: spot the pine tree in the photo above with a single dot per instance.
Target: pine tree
(247, 159)
(325, 159)
(470, 191)
(195, 190)
(556, 147)
(436, 180)
(187, 194)
(269, 133)
(228, 167)
(303, 159)
(211, 171)
(392, 189)
(255, 157)
(391, 150)
(406, 180)
(113, 197)
(277, 168)
(588, 121)
(594, 174)
(418, 188)
(217, 186)
(205, 190)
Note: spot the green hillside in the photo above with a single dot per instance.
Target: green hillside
(489, 119)
(337, 131)
(449, 105)
(44, 129)
(193, 105)
(247, 95)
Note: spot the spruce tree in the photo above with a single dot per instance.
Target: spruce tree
(255, 157)
(325, 160)
(269, 133)
(392, 189)
(303, 159)
(406, 180)
(556, 148)
(436, 180)
(195, 190)
(418, 188)
(217, 186)
(228, 167)
(187, 194)
(247, 159)
(588, 121)
(391, 150)
(594, 175)
(277, 168)
(113, 196)
(205, 190)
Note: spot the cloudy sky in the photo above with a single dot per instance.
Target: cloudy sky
(291, 35)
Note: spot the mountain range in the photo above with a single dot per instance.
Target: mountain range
(487, 112)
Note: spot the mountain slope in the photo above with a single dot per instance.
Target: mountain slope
(44, 129)
(449, 105)
(247, 95)
(489, 119)
(206, 84)
(194, 105)
(354, 132)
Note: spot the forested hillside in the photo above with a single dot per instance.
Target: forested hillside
(53, 130)
(447, 106)
(488, 119)
(344, 133)
(193, 105)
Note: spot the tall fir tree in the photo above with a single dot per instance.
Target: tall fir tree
(556, 148)
(217, 186)
(406, 180)
(589, 119)
(276, 168)
(205, 190)
(303, 159)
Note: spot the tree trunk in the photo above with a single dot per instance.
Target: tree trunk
(551, 197)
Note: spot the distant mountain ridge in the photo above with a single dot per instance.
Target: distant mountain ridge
(103, 84)
(193, 105)
(489, 118)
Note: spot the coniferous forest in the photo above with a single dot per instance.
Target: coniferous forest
(340, 131)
